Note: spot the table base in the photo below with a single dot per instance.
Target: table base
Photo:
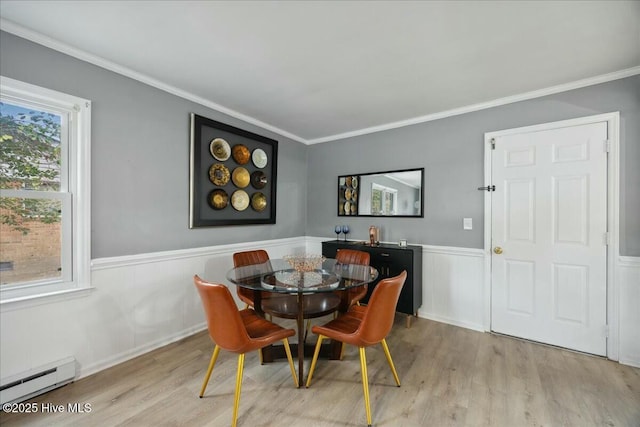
(329, 350)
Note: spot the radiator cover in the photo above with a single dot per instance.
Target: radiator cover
(37, 381)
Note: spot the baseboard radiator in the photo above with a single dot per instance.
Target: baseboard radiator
(37, 381)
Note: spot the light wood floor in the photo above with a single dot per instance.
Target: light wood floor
(450, 377)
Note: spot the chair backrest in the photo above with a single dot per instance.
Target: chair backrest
(225, 324)
(352, 256)
(381, 310)
(241, 259)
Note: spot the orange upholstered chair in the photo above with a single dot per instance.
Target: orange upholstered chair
(364, 327)
(242, 259)
(351, 256)
(237, 331)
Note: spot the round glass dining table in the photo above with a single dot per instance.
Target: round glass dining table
(282, 291)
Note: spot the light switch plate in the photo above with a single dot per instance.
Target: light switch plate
(467, 224)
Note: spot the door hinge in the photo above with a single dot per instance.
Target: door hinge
(607, 238)
(607, 146)
(493, 143)
(605, 331)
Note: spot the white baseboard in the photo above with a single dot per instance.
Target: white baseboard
(101, 365)
(450, 321)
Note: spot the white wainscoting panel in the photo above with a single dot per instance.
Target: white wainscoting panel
(628, 278)
(143, 302)
(452, 286)
(140, 303)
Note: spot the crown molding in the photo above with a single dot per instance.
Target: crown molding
(485, 105)
(51, 43)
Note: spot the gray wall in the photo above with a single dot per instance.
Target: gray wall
(140, 161)
(140, 157)
(452, 152)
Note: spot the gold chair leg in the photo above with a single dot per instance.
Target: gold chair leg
(236, 401)
(343, 345)
(287, 349)
(214, 357)
(365, 384)
(314, 360)
(393, 368)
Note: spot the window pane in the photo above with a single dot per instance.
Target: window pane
(30, 237)
(376, 201)
(30, 148)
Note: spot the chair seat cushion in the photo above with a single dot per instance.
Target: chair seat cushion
(262, 332)
(341, 329)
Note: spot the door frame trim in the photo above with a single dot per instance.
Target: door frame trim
(613, 219)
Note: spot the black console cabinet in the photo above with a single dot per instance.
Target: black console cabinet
(390, 260)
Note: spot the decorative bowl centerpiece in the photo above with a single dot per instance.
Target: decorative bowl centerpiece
(306, 273)
(305, 263)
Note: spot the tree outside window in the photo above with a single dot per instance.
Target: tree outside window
(30, 158)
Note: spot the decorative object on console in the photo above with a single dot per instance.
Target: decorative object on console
(345, 230)
(374, 235)
(230, 166)
(338, 230)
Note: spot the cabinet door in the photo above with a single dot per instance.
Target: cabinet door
(329, 249)
(390, 263)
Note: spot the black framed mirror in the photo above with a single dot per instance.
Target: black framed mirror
(398, 193)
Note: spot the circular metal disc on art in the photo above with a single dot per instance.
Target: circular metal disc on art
(258, 202)
(219, 174)
(240, 177)
(259, 158)
(218, 199)
(220, 149)
(240, 200)
(258, 180)
(240, 154)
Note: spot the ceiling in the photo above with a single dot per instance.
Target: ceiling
(320, 71)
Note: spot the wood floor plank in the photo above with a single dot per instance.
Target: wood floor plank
(450, 377)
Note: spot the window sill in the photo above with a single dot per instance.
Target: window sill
(18, 303)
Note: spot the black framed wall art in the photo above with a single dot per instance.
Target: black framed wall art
(232, 175)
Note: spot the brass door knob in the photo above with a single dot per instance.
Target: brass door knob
(497, 250)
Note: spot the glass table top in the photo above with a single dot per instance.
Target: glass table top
(278, 275)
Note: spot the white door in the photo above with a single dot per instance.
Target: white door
(548, 225)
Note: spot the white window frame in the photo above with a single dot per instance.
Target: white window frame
(75, 190)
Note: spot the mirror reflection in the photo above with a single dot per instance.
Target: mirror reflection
(393, 193)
